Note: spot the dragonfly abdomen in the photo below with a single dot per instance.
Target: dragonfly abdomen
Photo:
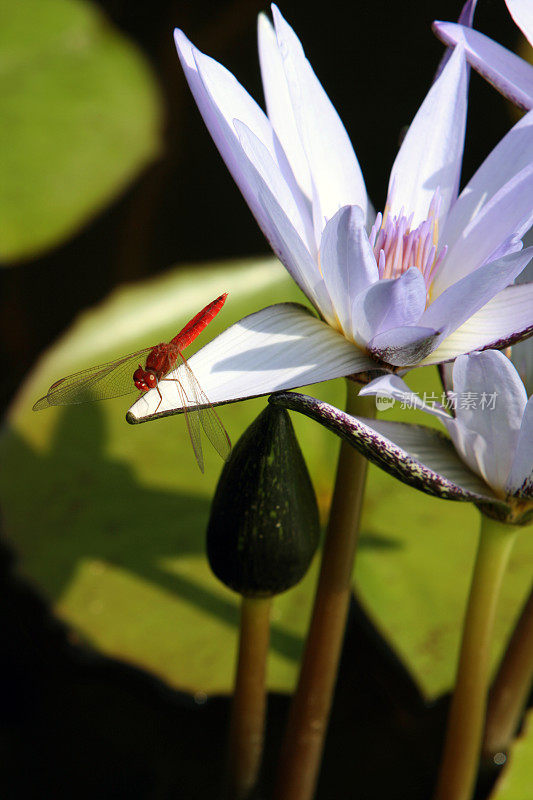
(192, 329)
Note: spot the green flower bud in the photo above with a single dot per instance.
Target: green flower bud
(263, 530)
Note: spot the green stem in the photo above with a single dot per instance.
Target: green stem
(511, 686)
(303, 744)
(249, 699)
(467, 713)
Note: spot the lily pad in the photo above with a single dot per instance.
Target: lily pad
(80, 117)
(108, 520)
(518, 772)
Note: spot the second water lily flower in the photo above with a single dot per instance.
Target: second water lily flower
(424, 281)
(488, 457)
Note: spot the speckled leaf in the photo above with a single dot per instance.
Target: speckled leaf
(417, 455)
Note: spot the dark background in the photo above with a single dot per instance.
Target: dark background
(77, 725)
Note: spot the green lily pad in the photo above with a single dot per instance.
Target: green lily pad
(108, 520)
(80, 117)
(518, 772)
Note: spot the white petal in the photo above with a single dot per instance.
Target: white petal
(404, 346)
(522, 13)
(278, 103)
(431, 153)
(466, 17)
(486, 432)
(510, 156)
(395, 387)
(347, 261)
(509, 74)
(267, 168)
(334, 167)
(461, 300)
(260, 195)
(503, 320)
(520, 479)
(294, 255)
(279, 347)
(221, 99)
(389, 303)
(506, 215)
(234, 103)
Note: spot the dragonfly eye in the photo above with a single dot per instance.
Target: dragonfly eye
(150, 379)
(141, 379)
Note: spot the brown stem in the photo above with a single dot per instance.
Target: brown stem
(303, 744)
(511, 686)
(249, 699)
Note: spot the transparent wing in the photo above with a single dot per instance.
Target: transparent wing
(192, 421)
(202, 412)
(113, 379)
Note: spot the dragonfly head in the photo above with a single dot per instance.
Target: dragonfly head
(144, 379)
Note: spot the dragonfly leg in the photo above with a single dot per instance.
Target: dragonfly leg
(160, 397)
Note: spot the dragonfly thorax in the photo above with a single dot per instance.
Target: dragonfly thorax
(159, 361)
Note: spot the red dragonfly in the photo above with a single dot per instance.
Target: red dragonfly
(126, 374)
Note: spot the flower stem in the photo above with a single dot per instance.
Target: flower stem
(249, 698)
(303, 744)
(511, 686)
(467, 713)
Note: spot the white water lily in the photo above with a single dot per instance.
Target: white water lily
(421, 283)
(510, 74)
(492, 428)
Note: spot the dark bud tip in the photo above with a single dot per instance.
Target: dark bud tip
(263, 530)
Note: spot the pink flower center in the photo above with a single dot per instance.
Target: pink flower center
(398, 248)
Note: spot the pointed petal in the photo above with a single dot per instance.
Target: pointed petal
(259, 156)
(510, 156)
(522, 13)
(419, 456)
(388, 304)
(509, 74)
(508, 213)
(504, 320)
(520, 480)
(431, 153)
(333, 165)
(466, 17)
(278, 103)
(461, 300)
(276, 226)
(395, 387)
(293, 253)
(279, 347)
(484, 432)
(404, 346)
(220, 100)
(347, 261)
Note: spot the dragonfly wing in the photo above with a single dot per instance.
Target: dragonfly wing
(210, 421)
(113, 379)
(193, 426)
